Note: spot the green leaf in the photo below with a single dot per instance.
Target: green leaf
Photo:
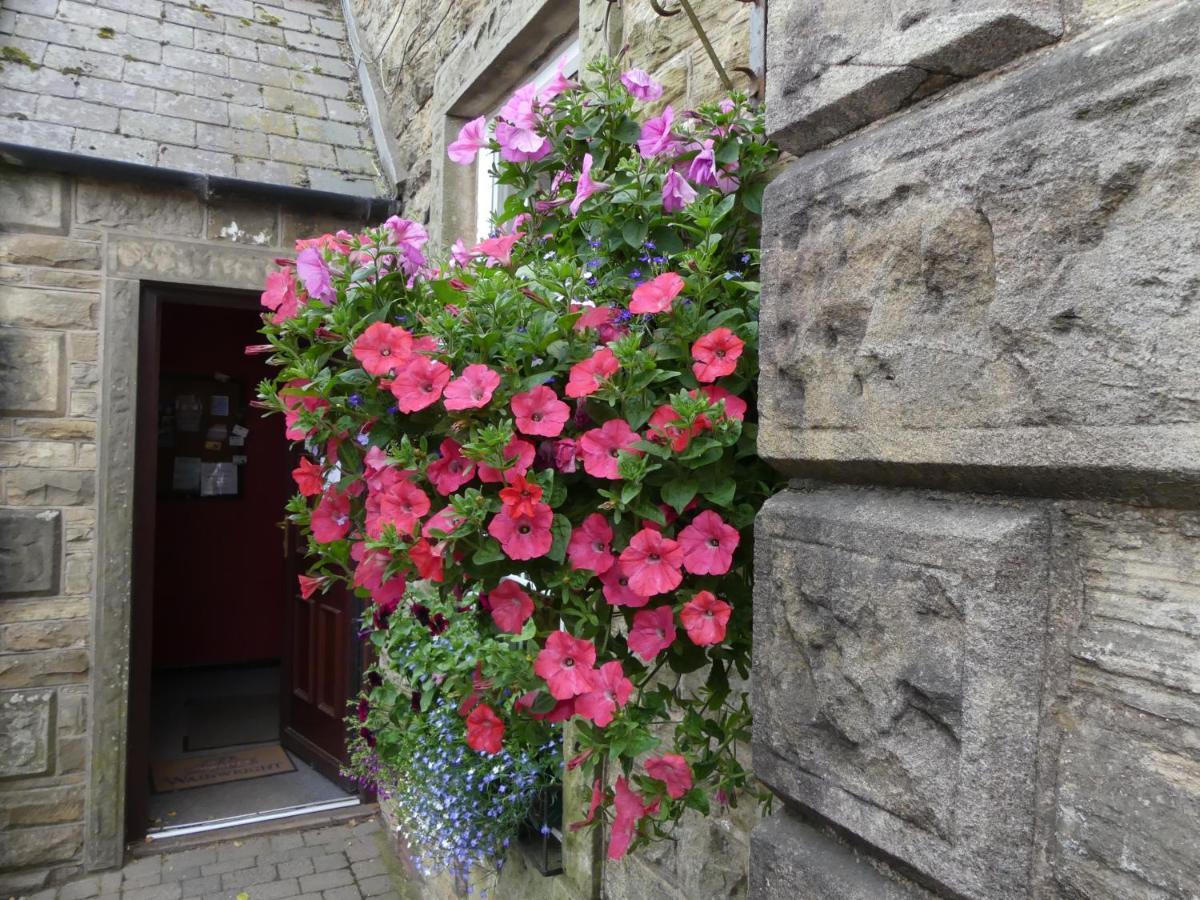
(628, 131)
(488, 552)
(561, 530)
(679, 492)
(634, 233)
(722, 492)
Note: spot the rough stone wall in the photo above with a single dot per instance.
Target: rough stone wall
(62, 240)
(410, 43)
(263, 90)
(977, 660)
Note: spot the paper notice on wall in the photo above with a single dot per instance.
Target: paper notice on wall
(188, 410)
(237, 435)
(218, 479)
(220, 405)
(186, 474)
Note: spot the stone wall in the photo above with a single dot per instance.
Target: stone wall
(977, 660)
(66, 243)
(261, 90)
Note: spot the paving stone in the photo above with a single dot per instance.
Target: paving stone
(332, 835)
(368, 868)
(287, 841)
(349, 892)
(80, 890)
(324, 881)
(275, 890)
(201, 856)
(248, 877)
(330, 861)
(169, 891)
(227, 865)
(197, 887)
(295, 868)
(375, 886)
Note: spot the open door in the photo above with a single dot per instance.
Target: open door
(322, 669)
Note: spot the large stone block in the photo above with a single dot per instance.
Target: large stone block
(25, 719)
(31, 371)
(838, 66)
(791, 860)
(32, 201)
(998, 287)
(180, 261)
(899, 662)
(30, 545)
(157, 211)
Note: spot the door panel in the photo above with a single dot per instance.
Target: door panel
(322, 672)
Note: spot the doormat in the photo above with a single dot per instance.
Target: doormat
(217, 768)
(214, 722)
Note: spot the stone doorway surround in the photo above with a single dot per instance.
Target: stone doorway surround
(77, 250)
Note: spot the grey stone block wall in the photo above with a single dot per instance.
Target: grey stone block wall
(66, 245)
(977, 664)
(191, 86)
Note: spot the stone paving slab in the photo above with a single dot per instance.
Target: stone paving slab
(329, 862)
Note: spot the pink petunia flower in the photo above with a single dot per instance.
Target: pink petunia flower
(595, 317)
(703, 167)
(471, 138)
(617, 591)
(403, 505)
(383, 348)
(708, 544)
(676, 192)
(409, 237)
(540, 412)
(735, 406)
(587, 376)
(652, 562)
(629, 811)
(331, 517)
(314, 272)
(511, 607)
(663, 428)
(656, 137)
(521, 452)
(585, 187)
(498, 249)
(716, 354)
(451, 470)
(565, 664)
(601, 448)
(523, 537)
(485, 730)
(441, 523)
(459, 252)
(472, 389)
(610, 691)
(656, 295)
(429, 559)
(653, 632)
(370, 574)
(310, 585)
(589, 548)
(593, 806)
(280, 296)
(639, 83)
(704, 617)
(309, 477)
(673, 771)
(559, 84)
(419, 384)
(565, 454)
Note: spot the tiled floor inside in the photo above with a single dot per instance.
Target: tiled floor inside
(347, 861)
(185, 711)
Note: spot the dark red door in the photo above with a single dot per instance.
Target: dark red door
(322, 669)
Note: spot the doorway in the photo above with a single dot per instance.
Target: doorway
(238, 686)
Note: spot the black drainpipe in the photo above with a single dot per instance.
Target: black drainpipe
(370, 210)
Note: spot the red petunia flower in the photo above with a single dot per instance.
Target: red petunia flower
(589, 545)
(716, 354)
(708, 544)
(629, 811)
(657, 294)
(596, 317)
(295, 404)
(520, 496)
(308, 477)
(610, 691)
(485, 731)
(663, 428)
(444, 521)
(673, 771)
(472, 389)
(600, 448)
(523, 537)
(540, 412)
(451, 470)
(383, 349)
(565, 664)
(705, 617)
(651, 562)
(511, 607)
(419, 384)
(429, 560)
(735, 406)
(617, 591)
(587, 376)
(371, 575)
(653, 632)
(309, 585)
(403, 505)
(521, 452)
(331, 518)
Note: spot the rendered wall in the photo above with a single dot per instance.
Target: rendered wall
(977, 660)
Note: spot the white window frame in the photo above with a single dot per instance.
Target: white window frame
(489, 195)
